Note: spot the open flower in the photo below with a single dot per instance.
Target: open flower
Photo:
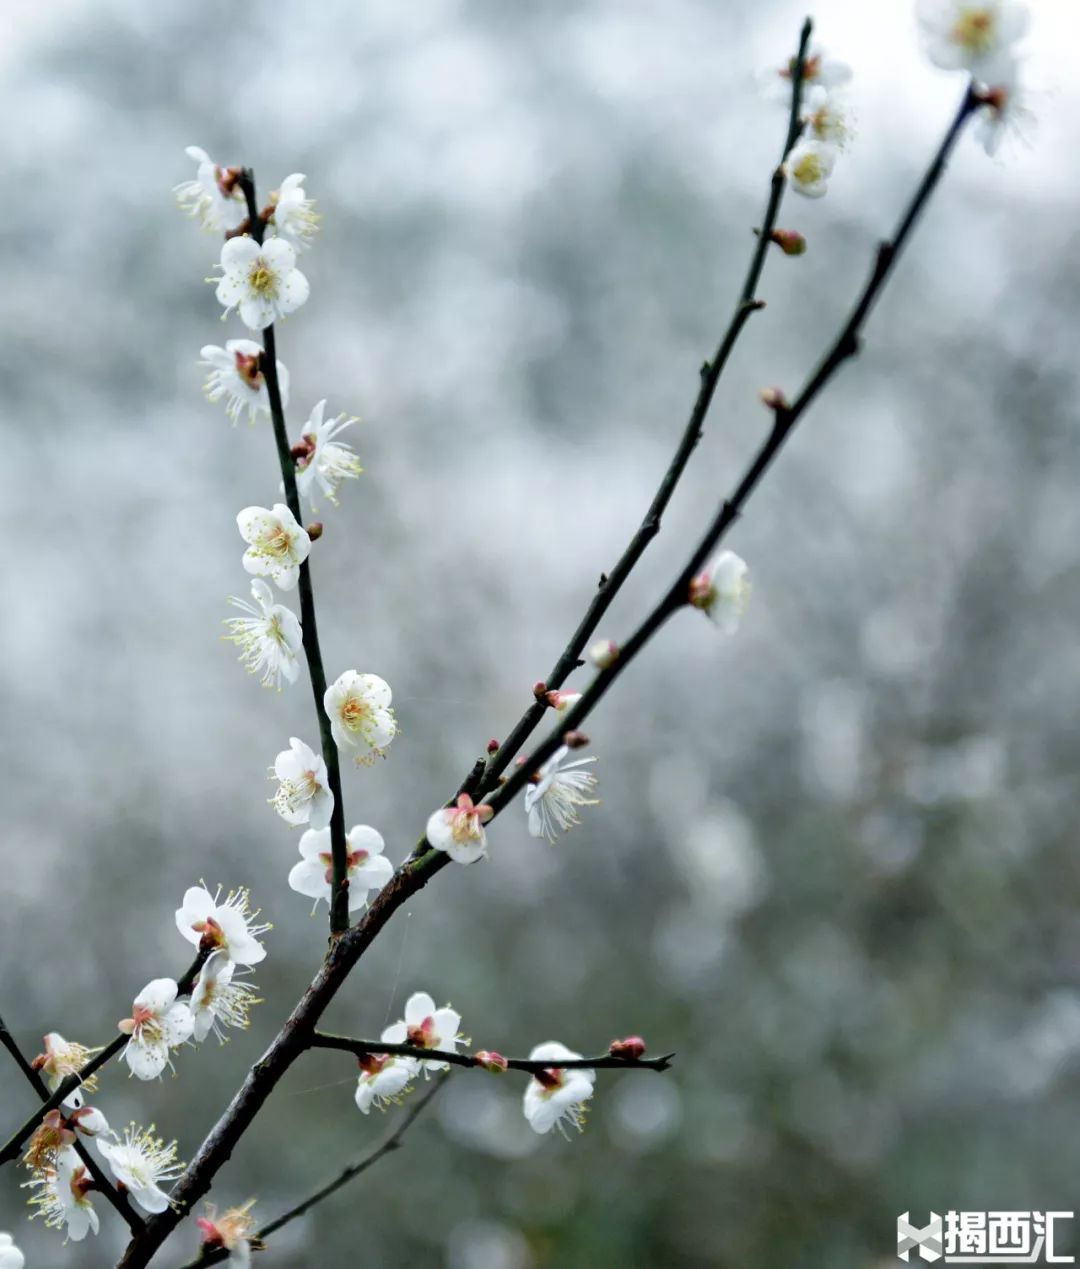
(141, 1161)
(159, 1022)
(368, 869)
(269, 637)
(459, 830)
(557, 1094)
(62, 1198)
(1004, 111)
(384, 1078)
(561, 787)
(721, 590)
(818, 70)
(827, 117)
(326, 462)
(809, 166)
(236, 374)
(230, 926)
(232, 1230)
(358, 706)
(61, 1059)
(303, 795)
(277, 544)
(218, 1001)
(10, 1256)
(294, 215)
(426, 1027)
(261, 280)
(214, 196)
(970, 35)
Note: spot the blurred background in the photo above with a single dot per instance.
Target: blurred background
(835, 866)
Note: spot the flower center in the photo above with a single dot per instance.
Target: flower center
(354, 712)
(808, 170)
(550, 1079)
(974, 30)
(810, 69)
(248, 370)
(423, 1036)
(277, 542)
(262, 279)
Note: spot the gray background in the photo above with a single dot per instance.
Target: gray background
(835, 866)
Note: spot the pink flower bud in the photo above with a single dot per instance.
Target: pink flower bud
(632, 1048)
(493, 746)
(604, 653)
(774, 398)
(491, 1061)
(790, 241)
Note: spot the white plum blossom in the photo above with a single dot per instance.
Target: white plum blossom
(214, 196)
(260, 280)
(236, 374)
(819, 70)
(384, 1078)
(269, 636)
(61, 1059)
(721, 590)
(827, 117)
(425, 1027)
(62, 1198)
(277, 544)
(141, 1162)
(294, 215)
(218, 1001)
(459, 830)
(557, 1094)
(303, 795)
(159, 1022)
(10, 1256)
(1004, 111)
(206, 922)
(232, 1230)
(970, 35)
(809, 166)
(358, 706)
(326, 462)
(368, 869)
(551, 804)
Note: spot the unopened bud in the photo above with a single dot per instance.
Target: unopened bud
(539, 689)
(790, 241)
(774, 398)
(314, 530)
(632, 1047)
(575, 740)
(603, 653)
(491, 1061)
(493, 747)
(562, 701)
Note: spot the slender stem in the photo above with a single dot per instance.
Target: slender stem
(320, 1040)
(70, 1083)
(611, 583)
(339, 890)
(101, 1182)
(392, 1143)
(785, 417)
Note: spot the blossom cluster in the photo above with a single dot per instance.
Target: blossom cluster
(826, 122)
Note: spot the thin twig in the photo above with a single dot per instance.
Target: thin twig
(392, 1143)
(70, 1083)
(339, 891)
(785, 417)
(320, 1040)
(612, 582)
(101, 1182)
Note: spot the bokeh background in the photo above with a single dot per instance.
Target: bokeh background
(836, 863)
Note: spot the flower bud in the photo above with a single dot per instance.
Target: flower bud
(575, 740)
(539, 689)
(604, 653)
(491, 1061)
(774, 398)
(314, 530)
(562, 701)
(493, 747)
(633, 1047)
(790, 241)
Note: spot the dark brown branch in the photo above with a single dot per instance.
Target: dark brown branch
(785, 418)
(339, 891)
(611, 583)
(392, 1143)
(320, 1040)
(70, 1083)
(102, 1183)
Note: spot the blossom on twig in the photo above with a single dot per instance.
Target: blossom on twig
(140, 1162)
(228, 926)
(269, 636)
(459, 829)
(303, 795)
(277, 544)
(159, 1022)
(556, 1094)
(551, 804)
(236, 374)
(261, 280)
(367, 868)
